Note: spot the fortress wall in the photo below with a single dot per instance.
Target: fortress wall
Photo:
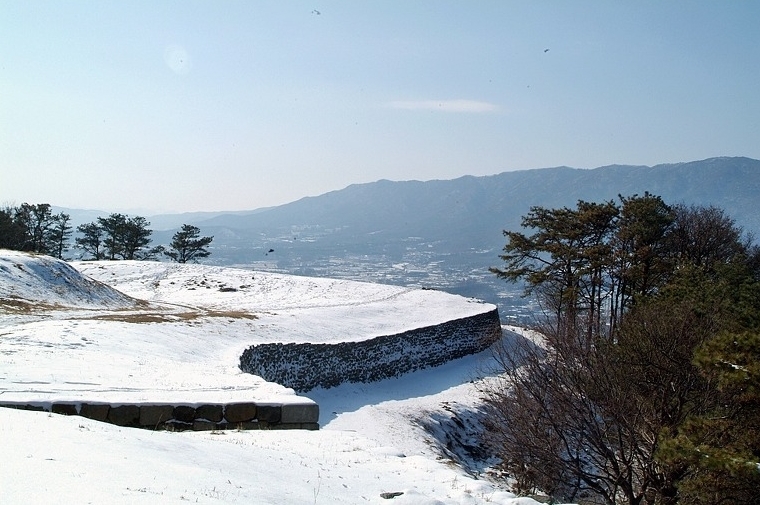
(188, 416)
(301, 367)
(306, 366)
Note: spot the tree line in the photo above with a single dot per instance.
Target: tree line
(644, 387)
(34, 228)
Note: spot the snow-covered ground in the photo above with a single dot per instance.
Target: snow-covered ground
(79, 338)
(287, 308)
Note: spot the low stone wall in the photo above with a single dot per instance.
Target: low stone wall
(306, 366)
(198, 417)
(301, 367)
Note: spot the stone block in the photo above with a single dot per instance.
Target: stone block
(204, 426)
(124, 415)
(248, 425)
(97, 412)
(66, 409)
(184, 413)
(212, 413)
(296, 426)
(240, 412)
(34, 408)
(270, 414)
(300, 413)
(155, 415)
(286, 426)
(178, 426)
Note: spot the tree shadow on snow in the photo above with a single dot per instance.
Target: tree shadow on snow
(349, 397)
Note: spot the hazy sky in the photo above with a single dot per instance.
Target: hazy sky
(182, 106)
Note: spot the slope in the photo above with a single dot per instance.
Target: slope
(28, 281)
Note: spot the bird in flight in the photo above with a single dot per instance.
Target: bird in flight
(315, 11)
(546, 50)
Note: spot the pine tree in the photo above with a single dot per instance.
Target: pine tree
(629, 415)
(721, 446)
(91, 240)
(188, 246)
(12, 235)
(117, 237)
(58, 235)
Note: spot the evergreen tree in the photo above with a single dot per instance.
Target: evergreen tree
(12, 234)
(36, 221)
(113, 228)
(720, 446)
(58, 235)
(618, 415)
(34, 227)
(91, 240)
(135, 239)
(187, 245)
(117, 237)
(564, 261)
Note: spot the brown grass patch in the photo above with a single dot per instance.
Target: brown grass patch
(169, 317)
(14, 305)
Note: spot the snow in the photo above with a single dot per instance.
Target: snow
(336, 310)
(80, 339)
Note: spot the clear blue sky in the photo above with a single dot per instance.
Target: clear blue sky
(151, 106)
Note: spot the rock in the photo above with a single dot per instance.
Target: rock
(240, 412)
(389, 496)
(66, 409)
(300, 413)
(270, 414)
(204, 426)
(249, 425)
(184, 413)
(212, 413)
(35, 408)
(155, 415)
(96, 412)
(124, 415)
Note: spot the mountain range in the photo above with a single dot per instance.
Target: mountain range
(446, 233)
(472, 211)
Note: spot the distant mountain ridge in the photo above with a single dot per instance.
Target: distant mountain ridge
(474, 210)
(476, 206)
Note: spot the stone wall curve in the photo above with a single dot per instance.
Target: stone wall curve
(304, 366)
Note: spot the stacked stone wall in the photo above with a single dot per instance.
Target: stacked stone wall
(301, 367)
(306, 366)
(246, 416)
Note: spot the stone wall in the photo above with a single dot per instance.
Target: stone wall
(306, 366)
(301, 367)
(198, 417)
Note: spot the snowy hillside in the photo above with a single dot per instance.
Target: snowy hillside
(33, 280)
(73, 336)
(285, 308)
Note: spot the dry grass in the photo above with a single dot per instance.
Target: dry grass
(14, 305)
(171, 317)
(143, 312)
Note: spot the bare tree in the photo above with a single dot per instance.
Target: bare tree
(582, 423)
